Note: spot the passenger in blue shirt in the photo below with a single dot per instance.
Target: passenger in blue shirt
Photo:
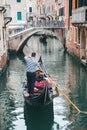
(31, 67)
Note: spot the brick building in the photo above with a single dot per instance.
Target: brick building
(47, 9)
(76, 28)
(4, 20)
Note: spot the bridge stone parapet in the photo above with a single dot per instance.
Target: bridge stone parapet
(17, 42)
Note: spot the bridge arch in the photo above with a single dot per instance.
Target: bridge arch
(24, 41)
(18, 41)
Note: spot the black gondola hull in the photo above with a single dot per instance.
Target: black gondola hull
(40, 99)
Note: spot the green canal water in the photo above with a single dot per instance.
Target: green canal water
(68, 73)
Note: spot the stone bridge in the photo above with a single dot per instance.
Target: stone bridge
(17, 42)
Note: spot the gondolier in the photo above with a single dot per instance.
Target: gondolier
(31, 67)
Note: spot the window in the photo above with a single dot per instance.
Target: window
(80, 3)
(19, 16)
(30, 9)
(70, 7)
(40, 10)
(70, 33)
(48, 9)
(76, 34)
(52, 8)
(18, 0)
(76, 4)
(61, 11)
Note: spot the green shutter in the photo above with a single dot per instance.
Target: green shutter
(18, 0)
(19, 16)
(30, 9)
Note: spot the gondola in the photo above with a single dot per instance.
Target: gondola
(43, 37)
(43, 91)
(38, 119)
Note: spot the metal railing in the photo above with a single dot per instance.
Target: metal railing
(38, 24)
(44, 23)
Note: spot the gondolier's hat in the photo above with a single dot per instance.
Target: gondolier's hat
(33, 54)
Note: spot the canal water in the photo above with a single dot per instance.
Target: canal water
(65, 71)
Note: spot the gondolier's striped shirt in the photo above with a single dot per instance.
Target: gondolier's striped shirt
(31, 65)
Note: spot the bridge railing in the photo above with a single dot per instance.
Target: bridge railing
(44, 23)
(38, 24)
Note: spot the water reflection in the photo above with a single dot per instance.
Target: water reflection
(51, 47)
(3, 80)
(7, 105)
(76, 84)
(66, 72)
(38, 118)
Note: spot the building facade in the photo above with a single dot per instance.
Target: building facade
(22, 13)
(61, 4)
(47, 10)
(4, 20)
(50, 13)
(18, 14)
(76, 28)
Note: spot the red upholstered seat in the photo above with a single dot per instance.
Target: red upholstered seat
(41, 83)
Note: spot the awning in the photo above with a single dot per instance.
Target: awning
(16, 27)
(42, 17)
(50, 16)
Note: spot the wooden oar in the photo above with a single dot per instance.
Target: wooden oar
(66, 97)
(54, 84)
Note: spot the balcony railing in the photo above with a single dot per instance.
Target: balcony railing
(79, 15)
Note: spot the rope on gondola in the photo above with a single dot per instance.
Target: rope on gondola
(62, 92)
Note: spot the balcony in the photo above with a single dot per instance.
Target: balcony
(79, 15)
